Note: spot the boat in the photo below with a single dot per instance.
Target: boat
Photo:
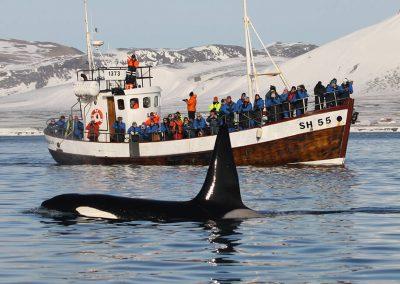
(317, 137)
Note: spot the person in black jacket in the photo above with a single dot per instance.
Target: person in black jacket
(319, 93)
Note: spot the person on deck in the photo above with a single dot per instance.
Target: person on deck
(272, 104)
(119, 129)
(153, 118)
(199, 125)
(188, 128)
(258, 109)
(133, 63)
(191, 105)
(319, 93)
(153, 130)
(292, 101)
(214, 122)
(228, 110)
(69, 127)
(284, 99)
(245, 109)
(216, 105)
(345, 90)
(240, 102)
(78, 128)
(165, 129)
(61, 126)
(332, 94)
(176, 126)
(302, 100)
(93, 130)
(133, 130)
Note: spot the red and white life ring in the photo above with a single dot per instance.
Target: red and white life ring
(97, 115)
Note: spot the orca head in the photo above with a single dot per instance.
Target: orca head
(221, 190)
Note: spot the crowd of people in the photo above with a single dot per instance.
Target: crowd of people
(238, 115)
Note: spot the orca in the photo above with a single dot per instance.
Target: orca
(219, 198)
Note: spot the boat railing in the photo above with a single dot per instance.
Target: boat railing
(117, 77)
(236, 122)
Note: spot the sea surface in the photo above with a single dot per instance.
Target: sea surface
(327, 225)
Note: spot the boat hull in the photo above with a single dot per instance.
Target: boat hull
(308, 140)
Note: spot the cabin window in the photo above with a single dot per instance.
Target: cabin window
(134, 103)
(146, 102)
(121, 104)
(156, 101)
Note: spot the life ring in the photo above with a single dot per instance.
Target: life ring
(97, 115)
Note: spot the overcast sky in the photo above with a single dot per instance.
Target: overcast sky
(184, 23)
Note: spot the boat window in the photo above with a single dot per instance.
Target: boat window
(146, 102)
(121, 104)
(134, 103)
(156, 101)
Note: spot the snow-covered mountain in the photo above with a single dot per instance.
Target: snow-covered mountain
(26, 66)
(370, 57)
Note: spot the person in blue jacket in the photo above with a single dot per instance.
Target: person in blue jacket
(245, 114)
(332, 94)
(273, 103)
(78, 128)
(284, 100)
(240, 102)
(258, 109)
(345, 90)
(301, 100)
(200, 125)
(153, 131)
(143, 134)
(119, 129)
(61, 126)
(228, 110)
(188, 128)
(133, 132)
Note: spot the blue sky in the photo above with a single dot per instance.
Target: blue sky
(184, 23)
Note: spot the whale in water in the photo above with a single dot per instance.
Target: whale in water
(219, 197)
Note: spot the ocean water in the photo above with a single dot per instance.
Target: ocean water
(322, 224)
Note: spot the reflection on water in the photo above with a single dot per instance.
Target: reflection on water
(298, 241)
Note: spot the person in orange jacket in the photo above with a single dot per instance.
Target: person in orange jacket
(176, 126)
(154, 117)
(133, 63)
(191, 105)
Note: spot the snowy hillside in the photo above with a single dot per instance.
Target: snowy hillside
(370, 57)
(26, 66)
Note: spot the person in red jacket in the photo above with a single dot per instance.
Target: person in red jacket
(93, 130)
(133, 63)
(176, 126)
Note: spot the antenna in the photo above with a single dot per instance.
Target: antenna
(252, 75)
(88, 40)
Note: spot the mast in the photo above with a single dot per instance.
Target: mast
(252, 75)
(88, 39)
(248, 54)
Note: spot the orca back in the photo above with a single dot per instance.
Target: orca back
(221, 186)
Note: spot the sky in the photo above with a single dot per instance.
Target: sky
(186, 23)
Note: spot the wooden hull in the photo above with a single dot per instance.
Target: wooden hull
(326, 145)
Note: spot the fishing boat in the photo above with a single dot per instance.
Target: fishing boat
(316, 137)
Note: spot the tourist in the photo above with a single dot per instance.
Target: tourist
(216, 105)
(229, 109)
(319, 93)
(292, 97)
(189, 131)
(284, 100)
(199, 124)
(258, 109)
(61, 126)
(240, 101)
(332, 93)
(93, 130)
(78, 128)
(245, 109)
(176, 126)
(165, 129)
(119, 130)
(214, 122)
(191, 105)
(153, 131)
(69, 127)
(302, 100)
(133, 63)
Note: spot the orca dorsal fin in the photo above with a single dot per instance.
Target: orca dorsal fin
(222, 182)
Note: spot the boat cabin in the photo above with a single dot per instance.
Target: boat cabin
(105, 94)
